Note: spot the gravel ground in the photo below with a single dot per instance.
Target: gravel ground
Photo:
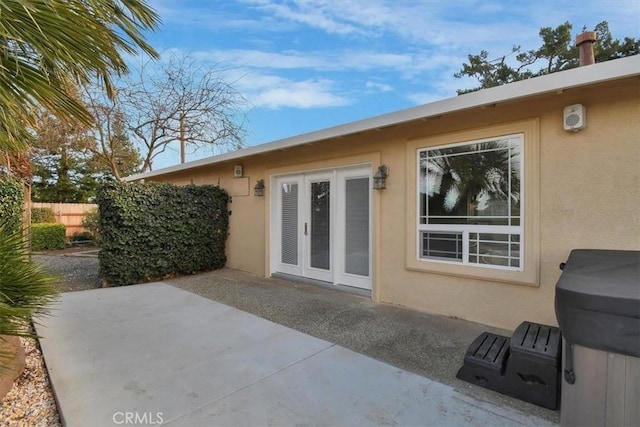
(30, 402)
(76, 273)
(429, 345)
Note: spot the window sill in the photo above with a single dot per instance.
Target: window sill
(523, 278)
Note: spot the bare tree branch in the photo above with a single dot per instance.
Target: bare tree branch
(157, 100)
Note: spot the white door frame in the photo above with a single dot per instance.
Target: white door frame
(340, 275)
(337, 178)
(276, 226)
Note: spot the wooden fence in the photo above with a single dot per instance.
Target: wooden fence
(69, 214)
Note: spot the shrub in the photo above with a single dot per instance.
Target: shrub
(82, 236)
(40, 215)
(11, 204)
(152, 230)
(90, 224)
(25, 290)
(47, 236)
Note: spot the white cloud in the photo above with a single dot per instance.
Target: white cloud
(312, 13)
(291, 59)
(408, 63)
(415, 42)
(308, 94)
(265, 59)
(275, 92)
(419, 23)
(468, 25)
(377, 87)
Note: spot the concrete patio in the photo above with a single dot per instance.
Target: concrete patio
(160, 353)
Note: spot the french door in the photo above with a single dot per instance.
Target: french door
(321, 226)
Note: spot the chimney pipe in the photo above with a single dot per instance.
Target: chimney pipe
(585, 42)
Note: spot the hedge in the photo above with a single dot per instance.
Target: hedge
(40, 215)
(153, 230)
(11, 204)
(90, 224)
(48, 236)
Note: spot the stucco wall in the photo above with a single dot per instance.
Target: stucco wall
(588, 197)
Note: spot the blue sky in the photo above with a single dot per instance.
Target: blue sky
(305, 65)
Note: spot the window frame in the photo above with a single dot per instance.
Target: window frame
(530, 274)
(466, 229)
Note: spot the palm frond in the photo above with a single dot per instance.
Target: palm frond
(25, 290)
(44, 42)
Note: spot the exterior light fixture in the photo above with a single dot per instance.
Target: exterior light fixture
(380, 178)
(258, 190)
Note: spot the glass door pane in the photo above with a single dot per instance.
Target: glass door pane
(357, 226)
(289, 235)
(320, 226)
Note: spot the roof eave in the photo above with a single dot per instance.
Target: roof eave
(582, 76)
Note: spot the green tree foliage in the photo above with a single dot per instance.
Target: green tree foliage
(111, 147)
(62, 176)
(61, 166)
(45, 43)
(557, 53)
(90, 224)
(40, 215)
(70, 160)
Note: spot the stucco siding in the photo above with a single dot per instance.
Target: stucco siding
(587, 184)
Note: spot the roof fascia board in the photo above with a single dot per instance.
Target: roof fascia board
(576, 77)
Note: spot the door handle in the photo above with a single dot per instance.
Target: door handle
(305, 229)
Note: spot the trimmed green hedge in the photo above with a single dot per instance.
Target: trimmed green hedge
(48, 236)
(153, 230)
(11, 204)
(40, 215)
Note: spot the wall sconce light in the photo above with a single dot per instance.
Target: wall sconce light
(258, 190)
(380, 178)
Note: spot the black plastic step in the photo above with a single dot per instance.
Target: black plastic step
(485, 361)
(541, 343)
(525, 366)
(490, 351)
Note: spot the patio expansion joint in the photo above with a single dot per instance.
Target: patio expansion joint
(259, 380)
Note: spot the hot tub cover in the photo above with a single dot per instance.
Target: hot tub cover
(598, 300)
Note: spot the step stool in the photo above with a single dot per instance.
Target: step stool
(534, 367)
(485, 361)
(525, 366)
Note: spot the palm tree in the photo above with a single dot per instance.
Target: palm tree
(464, 179)
(45, 43)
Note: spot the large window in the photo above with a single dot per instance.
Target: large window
(470, 203)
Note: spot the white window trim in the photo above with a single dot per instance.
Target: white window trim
(466, 229)
(530, 276)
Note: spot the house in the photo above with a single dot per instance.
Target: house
(485, 194)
